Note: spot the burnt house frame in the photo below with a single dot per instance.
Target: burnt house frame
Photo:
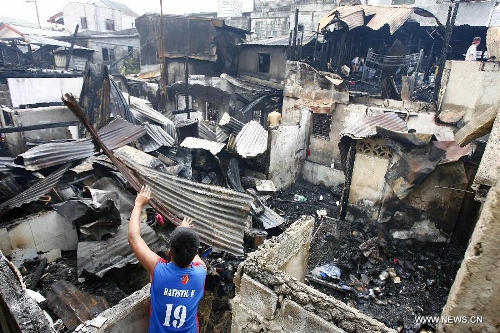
(347, 36)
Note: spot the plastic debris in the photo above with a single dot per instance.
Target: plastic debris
(299, 198)
(328, 271)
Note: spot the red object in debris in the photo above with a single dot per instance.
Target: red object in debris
(395, 261)
(160, 219)
(308, 152)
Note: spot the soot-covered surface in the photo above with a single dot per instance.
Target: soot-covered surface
(424, 271)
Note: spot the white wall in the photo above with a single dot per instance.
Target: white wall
(42, 90)
(288, 151)
(96, 17)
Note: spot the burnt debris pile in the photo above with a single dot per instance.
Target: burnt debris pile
(65, 204)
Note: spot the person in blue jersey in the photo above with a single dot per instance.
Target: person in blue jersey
(176, 286)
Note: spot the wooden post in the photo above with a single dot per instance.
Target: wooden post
(70, 52)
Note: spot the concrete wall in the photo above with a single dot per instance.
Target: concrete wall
(493, 41)
(5, 95)
(321, 175)
(304, 82)
(469, 88)
(42, 90)
(287, 151)
(277, 18)
(428, 213)
(486, 173)
(271, 298)
(229, 8)
(248, 62)
(120, 45)
(368, 177)
(96, 17)
(475, 291)
(16, 142)
(24, 238)
(131, 315)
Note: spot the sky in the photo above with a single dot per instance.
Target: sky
(26, 9)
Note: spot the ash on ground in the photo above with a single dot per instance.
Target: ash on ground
(398, 281)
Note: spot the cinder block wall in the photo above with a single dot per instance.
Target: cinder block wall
(4, 94)
(270, 296)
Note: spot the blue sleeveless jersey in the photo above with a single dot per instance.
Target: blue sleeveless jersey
(175, 294)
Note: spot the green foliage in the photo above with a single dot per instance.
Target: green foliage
(132, 64)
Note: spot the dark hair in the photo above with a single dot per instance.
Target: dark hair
(184, 243)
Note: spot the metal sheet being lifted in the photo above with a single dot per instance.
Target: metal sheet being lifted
(218, 213)
(116, 134)
(251, 141)
(35, 191)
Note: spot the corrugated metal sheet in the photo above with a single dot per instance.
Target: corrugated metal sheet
(211, 146)
(156, 137)
(251, 141)
(7, 164)
(220, 135)
(474, 13)
(207, 130)
(72, 305)
(35, 191)
(230, 124)
(395, 17)
(354, 16)
(114, 135)
(99, 257)
(453, 150)
(278, 41)
(270, 219)
(145, 113)
(367, 127)
(34, 39)
(218, 213)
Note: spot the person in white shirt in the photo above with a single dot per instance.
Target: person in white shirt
(471, 51)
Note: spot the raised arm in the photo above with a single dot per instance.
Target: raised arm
(146, 257)
(187, 223)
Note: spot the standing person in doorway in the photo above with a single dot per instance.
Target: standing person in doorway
(471, 51)
(177, 286)
(273, 119)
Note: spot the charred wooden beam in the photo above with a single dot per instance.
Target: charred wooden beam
(14, 129)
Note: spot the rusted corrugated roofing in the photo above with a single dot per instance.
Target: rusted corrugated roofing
(114, 135)
(35, 191)
(211, 146)
(218, 213)
(251, 141)
(367, 126)
(453, 150)
(395, 17)
(354, 16)
(156, 137)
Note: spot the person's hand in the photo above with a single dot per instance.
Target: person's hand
(186, 222)
(143, 196)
